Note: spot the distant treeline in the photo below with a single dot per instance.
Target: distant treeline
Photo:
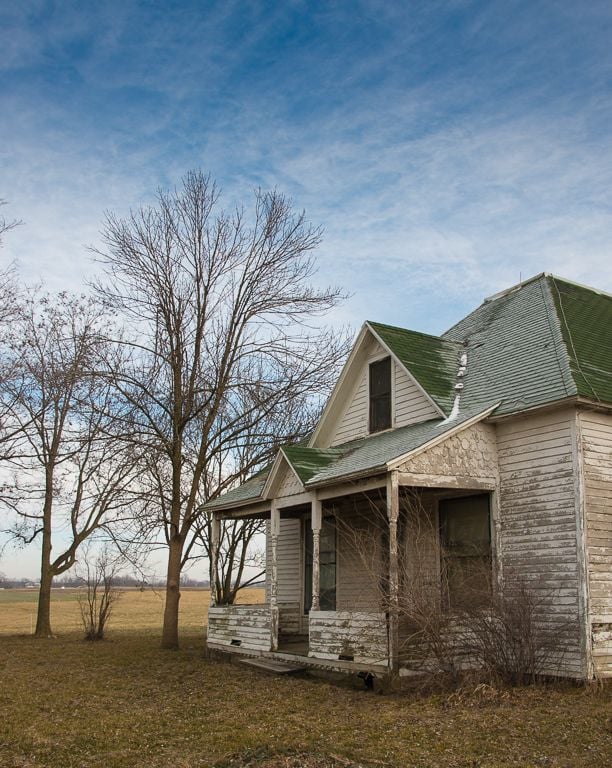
(118, 581)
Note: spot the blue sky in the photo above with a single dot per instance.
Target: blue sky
(447, 148)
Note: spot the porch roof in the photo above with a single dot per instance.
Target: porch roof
(368, 455)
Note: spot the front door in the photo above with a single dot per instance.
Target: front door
(327, 565)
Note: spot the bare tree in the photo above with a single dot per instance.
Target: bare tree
(6, 224)
(72, 475)
(223, 355)
(240, 562)
(97, 573)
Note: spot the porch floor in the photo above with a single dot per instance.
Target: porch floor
(294, 644)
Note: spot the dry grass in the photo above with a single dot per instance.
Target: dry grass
(135, 610)
(66, 703)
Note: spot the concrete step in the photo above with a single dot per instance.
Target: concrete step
(273, 667)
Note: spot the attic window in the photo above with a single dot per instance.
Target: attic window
(380, 395)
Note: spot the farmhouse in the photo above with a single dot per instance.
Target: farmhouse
(479, 459)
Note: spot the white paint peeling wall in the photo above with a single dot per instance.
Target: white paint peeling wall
(596, 438)
(538, 522)
(471, 453)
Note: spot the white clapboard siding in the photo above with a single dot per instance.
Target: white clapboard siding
(354, 421)
(289, 563)
(289, 618)
(352, 635)
(596, 434)
(359, 557)
(409, 403)
(289, 484)
(245, 626)
(538, 534)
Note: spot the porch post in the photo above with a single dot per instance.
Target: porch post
(316, 549)
(274, 531)
(215, 535)
(393, 515)
(274, 613)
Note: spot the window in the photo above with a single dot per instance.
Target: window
(380, 395)
(327, 566)
(465, 538)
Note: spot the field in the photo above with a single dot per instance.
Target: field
(124, 702)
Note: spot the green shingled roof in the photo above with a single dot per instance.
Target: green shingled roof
(307, 462)
(247, 492)
(585, 318)
(537, 343)
(372, 453)
(432, 361)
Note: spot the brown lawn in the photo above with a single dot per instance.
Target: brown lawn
(123, 702)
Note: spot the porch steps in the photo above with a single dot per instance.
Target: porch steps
(274, 667)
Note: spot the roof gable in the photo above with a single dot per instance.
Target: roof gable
(434, 360)
(431, 360)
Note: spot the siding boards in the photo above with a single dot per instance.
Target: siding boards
(248, 626)
(359, 559)
(289, 484)
(289, 564)
(538, 523)
(410, 405)
(596, 443)
(359, 636)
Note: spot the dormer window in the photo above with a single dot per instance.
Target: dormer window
(380, 395)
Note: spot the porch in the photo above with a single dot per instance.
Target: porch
(337, 568)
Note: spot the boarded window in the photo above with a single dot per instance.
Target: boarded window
(465, 537)
(380, 395)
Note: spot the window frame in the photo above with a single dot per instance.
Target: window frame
(372, 399)
(450, 603)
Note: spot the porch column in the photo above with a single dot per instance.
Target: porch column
(215, 536)
(274, 612)
(316, 549)
(274, 531)
(393, 515)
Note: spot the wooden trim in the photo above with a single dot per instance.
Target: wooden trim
(460, 482)
(274, 531)
(271, 479)
(214, 557)
(315, 524)
(584, 600)
(362, 482)
(393, 517)
(329, 406)
(243, 509)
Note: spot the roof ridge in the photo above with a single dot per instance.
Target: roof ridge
(411, 330)
(559, 342)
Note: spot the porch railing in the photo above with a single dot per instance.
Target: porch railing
(252, 627)
(349, 636)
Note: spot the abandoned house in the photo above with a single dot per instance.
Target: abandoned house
(475, 462)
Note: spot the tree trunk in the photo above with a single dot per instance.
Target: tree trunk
(43, 616)
(170, 638)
